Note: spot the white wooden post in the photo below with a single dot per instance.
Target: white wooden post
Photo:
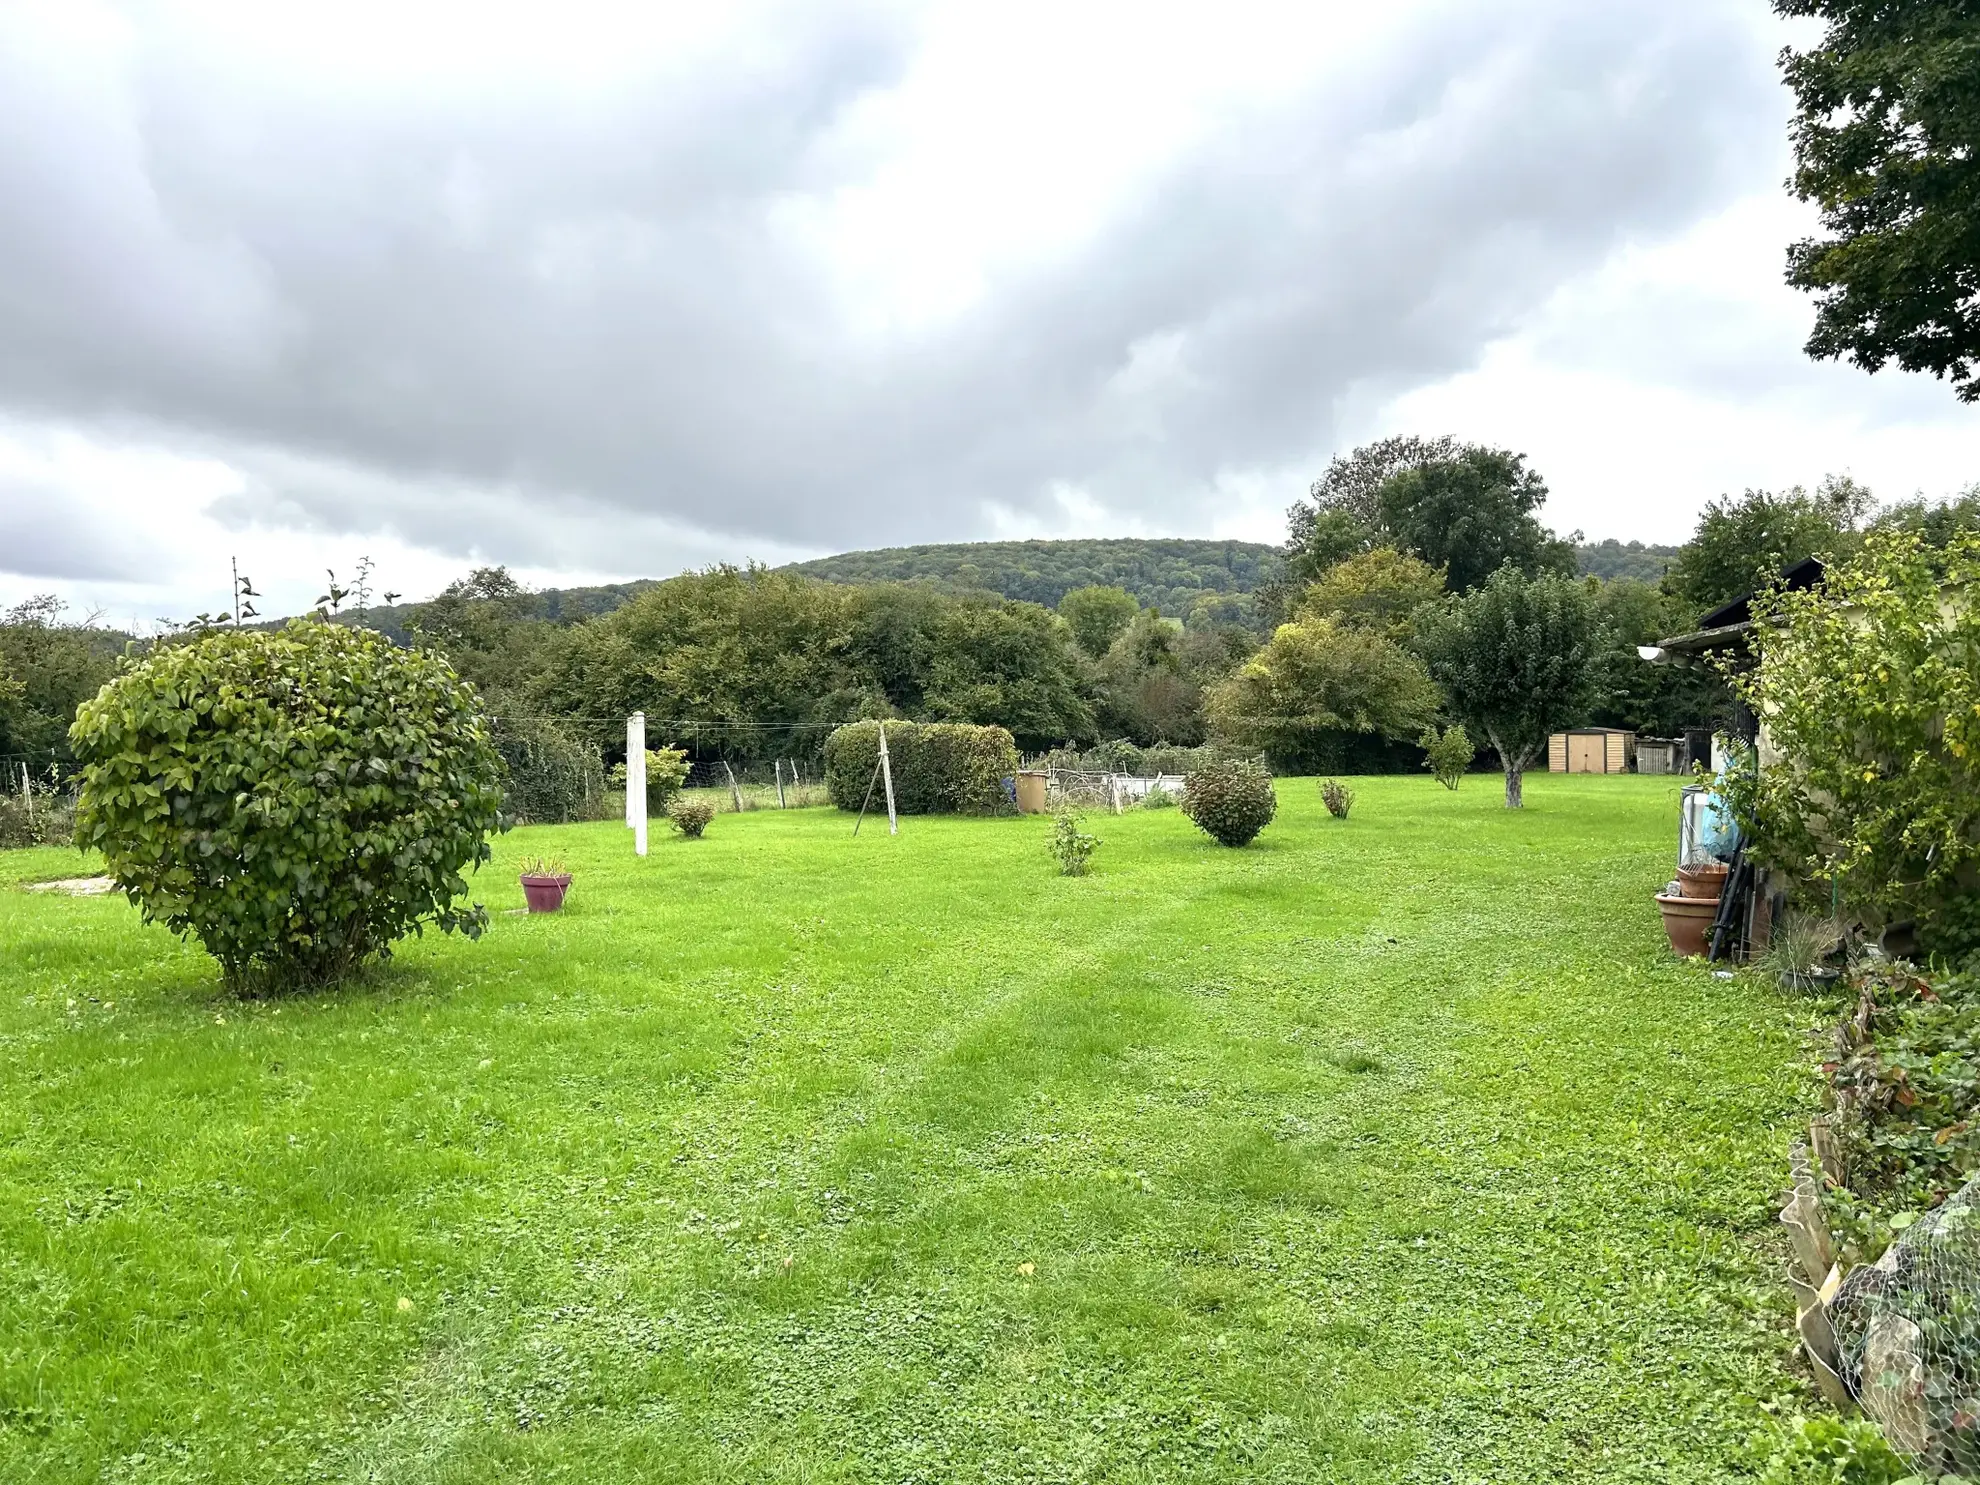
(636, 780)
(887, 778)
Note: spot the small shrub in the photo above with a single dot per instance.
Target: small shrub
(689, 816)
(1231, 800)
(298, 800)
(1448, 754)
(37, 819)
(541, 866)
(1158, 798)
(666, 774)
(1830, 1451)
(1338, 798)
(1072, 847)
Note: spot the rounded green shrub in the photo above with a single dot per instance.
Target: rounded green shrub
(689, 816)
(1230, 799)
(297, 800)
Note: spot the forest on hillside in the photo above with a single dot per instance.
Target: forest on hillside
(1179, 577)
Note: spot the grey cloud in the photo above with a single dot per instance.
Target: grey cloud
(487, 306)
(44, 534)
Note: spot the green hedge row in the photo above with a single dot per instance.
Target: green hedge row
(938, 767)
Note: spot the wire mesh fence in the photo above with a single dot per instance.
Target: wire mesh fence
(1907, 1334)
(780, 783)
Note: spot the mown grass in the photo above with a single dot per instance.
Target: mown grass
(1397, 1149)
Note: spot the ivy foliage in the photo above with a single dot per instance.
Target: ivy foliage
(1870, 693)
(297, 800)
(1903, 1082)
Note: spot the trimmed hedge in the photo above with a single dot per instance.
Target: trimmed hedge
(939, 768)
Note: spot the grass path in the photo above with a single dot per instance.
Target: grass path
(1392, 1150)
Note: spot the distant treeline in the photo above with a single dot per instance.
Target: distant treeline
(1196, 581)
(1211, 581)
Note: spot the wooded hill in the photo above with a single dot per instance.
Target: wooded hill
(1174, 575)
(1179, 576)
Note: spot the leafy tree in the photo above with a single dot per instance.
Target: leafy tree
(1661, 700)
(1377, 590)
(1518, 658)
(1318, 685)
(1470, 515)
(1742, 543)
(1611, 559)
(1097, 616)
(1004, 664)
(737, 653)
(1462, 507)
(298, 800)
(1887, 144)
(493, 630)
(1869, 689)
(1141, 689)
(55, 667)
(1937, 524)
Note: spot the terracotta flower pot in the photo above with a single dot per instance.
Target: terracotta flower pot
(545, 894)
(1687, 922)
(1708, 880)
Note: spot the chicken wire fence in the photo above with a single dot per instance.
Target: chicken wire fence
(1086, 789)
(778, 783)
(1907, 1332)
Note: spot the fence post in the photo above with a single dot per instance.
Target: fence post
(780, 785)
(887, 778)
(636, 780)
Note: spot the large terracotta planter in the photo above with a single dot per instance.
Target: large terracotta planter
(1708, 880)
(1688, 922)
(545, 894)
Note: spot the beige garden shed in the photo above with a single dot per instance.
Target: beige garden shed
(1591, 750)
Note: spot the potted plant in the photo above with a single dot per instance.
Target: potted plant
(1799, 950)
(1703, 879)
(544, 883)
(1687, 921)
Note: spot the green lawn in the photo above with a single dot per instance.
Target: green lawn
(1392, 1150)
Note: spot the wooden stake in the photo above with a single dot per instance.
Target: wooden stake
(636, 780)
(780, 785)
(887, 778)
(734, 792)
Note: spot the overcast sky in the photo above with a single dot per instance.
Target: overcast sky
(605, 291)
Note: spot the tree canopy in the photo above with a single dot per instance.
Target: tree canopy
(1744, 541)
(1465, 508)
(1886, 141)
(1097, 615)
(1518, 660)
